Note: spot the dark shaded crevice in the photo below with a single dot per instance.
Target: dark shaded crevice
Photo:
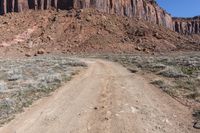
(1, 7)
(133, 7)
(124, 11)
(92, 3)
(145, 10)
(31, 4)
(80, 4)
(16, 6)
(111, 4)
(53, 3)
(38, 4)
(189, 28)
(45, 4)
(9, 5)
(176, 27)
(157, 19)
(196, 28)
(65, 4)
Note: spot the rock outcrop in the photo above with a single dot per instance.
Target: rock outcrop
(187, 25)
(142, 9)
(13, 6)
(147, 10)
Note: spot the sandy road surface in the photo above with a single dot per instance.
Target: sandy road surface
(105, 98)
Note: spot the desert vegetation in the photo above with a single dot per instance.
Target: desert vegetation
(177, 75)
(23, 81)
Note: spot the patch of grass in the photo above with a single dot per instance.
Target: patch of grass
(196, 115)
(189, 70)
(193, 95)
(187, 83)
(181, 70)
(31, 79)
(165, 87)
(159, 83)
(172, 72)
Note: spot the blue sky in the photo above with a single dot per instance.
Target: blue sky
(181, 8)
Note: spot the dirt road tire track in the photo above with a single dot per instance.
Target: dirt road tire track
(105, 98)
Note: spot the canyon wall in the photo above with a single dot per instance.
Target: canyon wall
(147, 10)
(7, 6)
(187, 25)
(142, 9)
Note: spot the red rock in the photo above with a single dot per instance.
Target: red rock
(187, 25)
(147, 10)
(142, 9)
(41, 51)
(138, 48)
(28, 55)
(157, 35)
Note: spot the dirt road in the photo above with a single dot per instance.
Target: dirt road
(105, 98)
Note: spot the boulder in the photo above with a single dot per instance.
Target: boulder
(41, 51)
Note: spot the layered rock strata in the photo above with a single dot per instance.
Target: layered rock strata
(147, 10)
(142, 9)
(187, 25)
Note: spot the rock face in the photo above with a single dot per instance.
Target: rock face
(13, 6)
(187, 25)
(147, 10)
(142, 9)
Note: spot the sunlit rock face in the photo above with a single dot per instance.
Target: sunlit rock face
(142, 9)
(147, 10)
(187, 25)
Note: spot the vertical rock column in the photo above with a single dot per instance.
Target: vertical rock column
(47, 4)
(12, 5)
(41, 5)
(55, 3)
(35, 4)
(3, 6)
(187, 25)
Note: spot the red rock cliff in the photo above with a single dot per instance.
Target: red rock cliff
(187, 25)
(143, 9)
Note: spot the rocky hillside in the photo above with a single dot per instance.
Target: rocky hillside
(147, 10)
(187, 25)
(85, 31)
(143, 9)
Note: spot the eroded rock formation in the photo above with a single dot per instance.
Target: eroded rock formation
(187, 25)
(148, 10)
(143, 9)
(13, 6)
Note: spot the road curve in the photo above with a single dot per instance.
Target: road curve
(105, 98)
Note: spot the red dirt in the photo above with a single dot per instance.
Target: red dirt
(86, 31)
